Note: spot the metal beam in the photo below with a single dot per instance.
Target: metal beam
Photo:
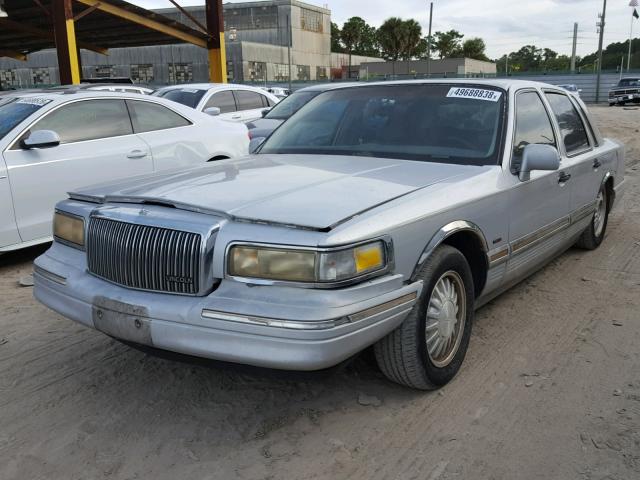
(145, 22)
(15, 55)
(48, 35)
(215, 44)
(65, 36)
(190, 17)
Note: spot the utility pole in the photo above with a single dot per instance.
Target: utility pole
(289, 48)
(601, 24)
(573, 50)
(429, 42)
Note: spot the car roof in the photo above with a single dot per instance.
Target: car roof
(63, 96)
(505, 84)
(209, 86)
(323, 87)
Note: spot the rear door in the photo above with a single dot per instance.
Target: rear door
(539, 207)
(97, 145)
(173, 139)
(584, 161)
(8, 228)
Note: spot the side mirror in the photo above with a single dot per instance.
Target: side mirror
(256, 143)
(41, 139)
(538, 157)
(265, 111)
(213, 111)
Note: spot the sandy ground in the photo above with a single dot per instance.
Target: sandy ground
(550, 389)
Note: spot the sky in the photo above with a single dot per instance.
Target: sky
(505, 25)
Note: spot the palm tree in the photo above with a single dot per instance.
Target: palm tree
(399, 39)
(391, 39)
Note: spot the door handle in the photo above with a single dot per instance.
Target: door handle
(236, 117)
(137, 154)
(564, 177)
(596, 163)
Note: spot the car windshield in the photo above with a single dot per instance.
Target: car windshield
(186, 96)
(16, 110)
(425, 122)
(629, 82)
(290, 105)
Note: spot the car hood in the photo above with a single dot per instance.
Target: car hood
(309, 191)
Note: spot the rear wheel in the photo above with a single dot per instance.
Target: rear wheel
(427, 350)
(592, 237)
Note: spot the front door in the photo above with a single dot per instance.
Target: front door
(226, 102)
(539, 207)
(250, 104)
(97, 145)
(8, 229)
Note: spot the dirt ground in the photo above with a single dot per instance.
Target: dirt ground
(550, 389)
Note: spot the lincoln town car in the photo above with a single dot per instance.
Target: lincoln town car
(380, 214)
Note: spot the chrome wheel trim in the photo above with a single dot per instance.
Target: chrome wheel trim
(601, 214)
(446, 318)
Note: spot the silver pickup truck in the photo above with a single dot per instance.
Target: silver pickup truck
(379, 214)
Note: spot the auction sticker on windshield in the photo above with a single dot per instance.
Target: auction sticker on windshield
(475, 94)
(38, 101)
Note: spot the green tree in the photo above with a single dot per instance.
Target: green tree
(336, 46)
(351, 35)
(412, 39)
(447, 44)
(400, 39)
(474, 48)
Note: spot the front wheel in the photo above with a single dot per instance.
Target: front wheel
(592, 237)
(427, 349)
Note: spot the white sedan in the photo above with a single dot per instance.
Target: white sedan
(51, 143)
(237, 103)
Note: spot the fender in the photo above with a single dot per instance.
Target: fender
(445, 232)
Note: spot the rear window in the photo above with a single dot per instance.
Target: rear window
(186, 96)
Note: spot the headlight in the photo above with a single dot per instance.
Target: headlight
(68, 228)
(307, 266)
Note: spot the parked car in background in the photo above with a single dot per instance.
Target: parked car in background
(238, 103)
(570, 87)
(279, 92)
(380, 214)
(627, 90)
(51, 143)
(272, 119)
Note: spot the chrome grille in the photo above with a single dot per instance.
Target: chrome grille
(144, 257)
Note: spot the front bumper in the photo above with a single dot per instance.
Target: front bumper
(623, 97)
(267, 326)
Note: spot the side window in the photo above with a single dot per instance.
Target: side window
(223, 100)
(532, 126)
(88, 120)
(574, 133)
(248, 100)
(148, 116)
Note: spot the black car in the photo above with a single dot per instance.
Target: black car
(627, 90)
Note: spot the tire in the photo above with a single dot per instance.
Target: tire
(594, 234)
(403, 355)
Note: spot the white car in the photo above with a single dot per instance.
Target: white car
(237, 103)
(52, 143)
